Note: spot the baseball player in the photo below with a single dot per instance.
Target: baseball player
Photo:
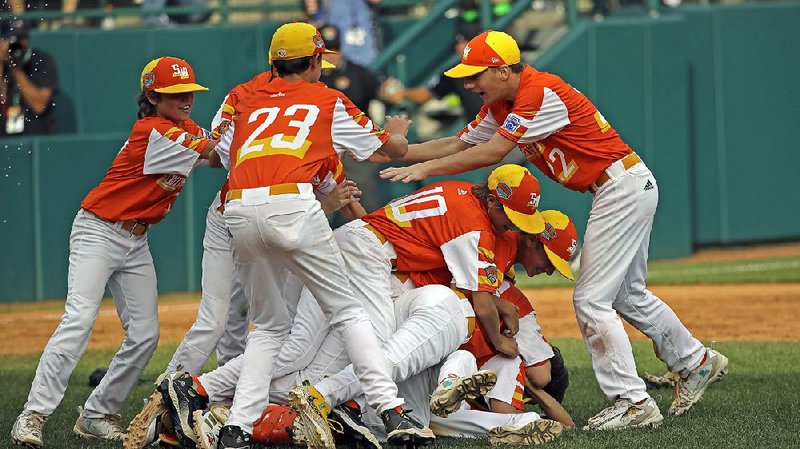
(281, 136)
(561, 132)
(108, 246)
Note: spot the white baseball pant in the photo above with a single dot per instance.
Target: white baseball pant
(270, 234)
(101, 253)
(612, 280)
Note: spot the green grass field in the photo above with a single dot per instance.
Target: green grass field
(756, 405)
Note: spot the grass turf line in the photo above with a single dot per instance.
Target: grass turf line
(755, 406)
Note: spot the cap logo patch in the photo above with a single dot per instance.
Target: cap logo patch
(572, 247)
(503, 191)
(281, 53)
(549, 232)
(467, 49)
(318, 41)
(534, 202)
(512, 123)
(495, 60)
(179, 71)
(148, 79)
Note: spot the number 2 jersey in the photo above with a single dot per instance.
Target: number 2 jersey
(441, 226)
(287, 132)
(556, 126)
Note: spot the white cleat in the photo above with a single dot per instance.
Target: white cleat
(690, 389)
(105, 428)
(537, 432)
(453, 390)
(207, 425)
(27, 430)
(624, 414)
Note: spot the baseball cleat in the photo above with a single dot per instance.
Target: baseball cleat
(144, 427)
(666, 380)
(105, 428)
(453, 390)
(208, 425)
(403, 430)
(313, 411)
(27, 430)
(233, 437)
(690, 389)
(346, 421)
(537, 432)
(624, 414)
(182, 400)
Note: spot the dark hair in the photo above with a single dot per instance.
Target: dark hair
(517, 68)
(146, 108)
(482, 192)
(292, 66)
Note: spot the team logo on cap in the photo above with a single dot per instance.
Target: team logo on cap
(281, 53)
(549, 232)
(572, 247)
(534, 202)
(148, 79)
(503, 191)
(467, 49)
(318, 42)
(179, 71)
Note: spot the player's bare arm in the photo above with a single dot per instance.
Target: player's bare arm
(434, 149)
(397, 145)
(209, 149)
(509, 313)
(551, 408)
(485, 309)
(482, 155)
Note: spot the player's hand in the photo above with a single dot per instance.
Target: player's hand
(341, 195)
(507, 346)
(397, 124)
(416, 172)
(509, 313)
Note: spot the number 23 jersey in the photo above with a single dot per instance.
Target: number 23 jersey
(283, 132)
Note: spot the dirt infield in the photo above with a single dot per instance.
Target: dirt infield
(712, 312)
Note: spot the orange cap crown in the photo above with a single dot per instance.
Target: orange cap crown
(518, 190)
(169, 75)
(488, 49)
(560, 240)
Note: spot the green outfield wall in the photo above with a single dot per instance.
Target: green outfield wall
(707, 95)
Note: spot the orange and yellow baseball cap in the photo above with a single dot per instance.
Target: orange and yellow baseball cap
(169, 75)
(518, 190)
(560, 240)
(297, 40)
(488, 49)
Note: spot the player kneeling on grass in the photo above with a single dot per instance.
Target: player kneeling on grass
(109, 246)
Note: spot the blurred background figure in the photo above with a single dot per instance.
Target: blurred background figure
(361, 86)
(28, 83)
(357, 21)
(162, 19)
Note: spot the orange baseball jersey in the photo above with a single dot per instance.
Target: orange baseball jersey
(557, 127)
(149, 171)
(441, 226)
(283, 132)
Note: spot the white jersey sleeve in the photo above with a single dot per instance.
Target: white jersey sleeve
(479, 130)
(551, 117)
(463, 259)
(172, 153)
(353, 132)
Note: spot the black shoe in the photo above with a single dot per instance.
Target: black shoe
(233, 437)
(403, 430)
(182, 399)
(345, 422)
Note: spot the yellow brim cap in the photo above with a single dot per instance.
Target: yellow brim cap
(181, 88)
(532, 224)
(327, 65)
(561, 265)
(463, 71)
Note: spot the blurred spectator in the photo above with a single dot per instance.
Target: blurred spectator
(15, 6)
(393, 91)
(361, 86)
(355, 19)
(163, 19)
(28, 83)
